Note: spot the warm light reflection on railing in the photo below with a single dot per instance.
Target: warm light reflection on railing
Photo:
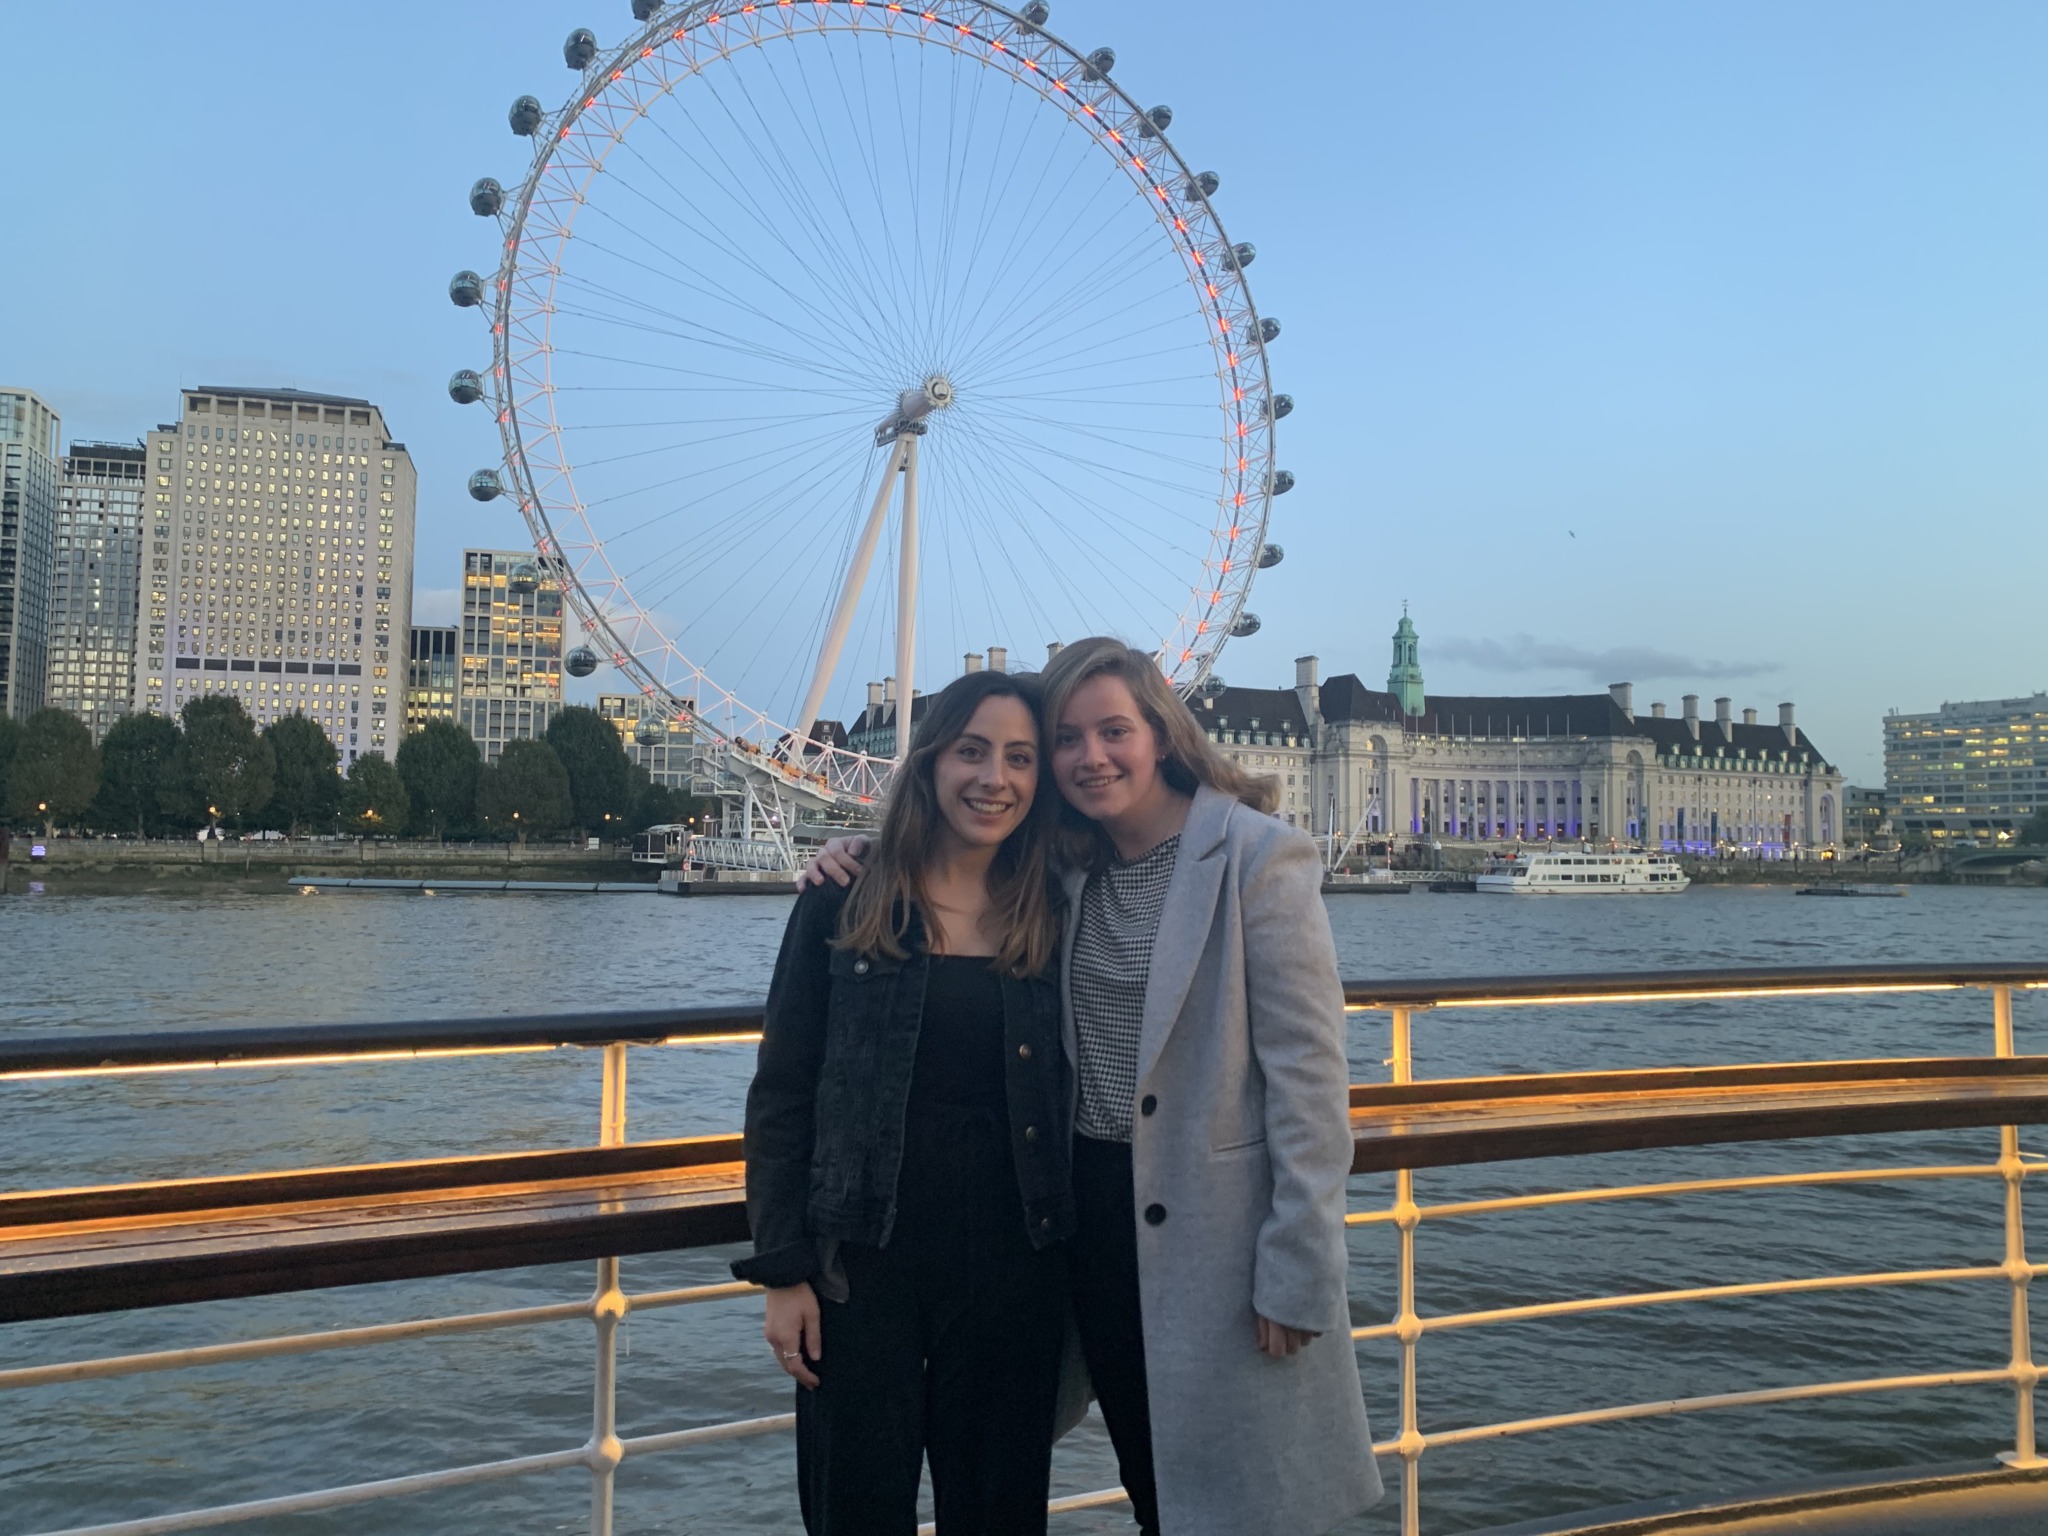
(608, 1306)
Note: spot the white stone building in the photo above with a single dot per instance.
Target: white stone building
(1360, 763)
(280, 563)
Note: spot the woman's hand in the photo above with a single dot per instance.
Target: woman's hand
(838, 861)
(1276, 1339)
(792, 1330)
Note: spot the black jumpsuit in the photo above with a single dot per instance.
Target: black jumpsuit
(949, 1341)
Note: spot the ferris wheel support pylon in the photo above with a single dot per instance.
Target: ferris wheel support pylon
(849, 594)
(906, 601)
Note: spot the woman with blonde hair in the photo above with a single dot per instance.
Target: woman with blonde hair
(907, 1144)
(1205, 1023)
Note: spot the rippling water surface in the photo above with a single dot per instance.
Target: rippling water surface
(114, 1450)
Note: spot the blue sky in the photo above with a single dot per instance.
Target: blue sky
(1703, 346)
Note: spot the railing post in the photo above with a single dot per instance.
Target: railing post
(607, 1311)
(1407, 1323)
(2024, 1372)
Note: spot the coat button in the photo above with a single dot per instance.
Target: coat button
(1024, 1052)
(1147, 1104)
(1154, 1214)
(1031, 1133)
(860, 967)
(1045, 1223)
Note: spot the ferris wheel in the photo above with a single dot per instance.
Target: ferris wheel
(840, 344)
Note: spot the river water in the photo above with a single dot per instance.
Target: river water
(121, 1449)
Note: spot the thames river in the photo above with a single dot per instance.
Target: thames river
(106, 1451)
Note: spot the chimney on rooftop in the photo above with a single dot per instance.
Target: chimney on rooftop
(1306, 688)
(1724, 718)
(971, 663)
(874, 695)
(1785, 724)
(1052, 649)
(1624, 696)
(1749, 717)
(1657, 711)
(888, 690)
(1691, 701)
(999, 658)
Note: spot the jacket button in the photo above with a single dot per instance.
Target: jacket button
(1147, 1104)
(1024, 1051)
(860, 967)
(1154, 1214)
(1045, 1223)
(1031, 1133)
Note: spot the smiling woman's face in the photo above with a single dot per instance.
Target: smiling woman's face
(1105, 754)
(987, 777)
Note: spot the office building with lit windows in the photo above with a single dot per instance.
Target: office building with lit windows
(29, 472)
(666, 745)
(510, 681)
(431, 674)
(96, 581)
(280, 562)
(1969, 772)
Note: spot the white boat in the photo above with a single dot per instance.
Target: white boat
(1567, 872)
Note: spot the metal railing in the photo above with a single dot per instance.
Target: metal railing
(1404, 1002)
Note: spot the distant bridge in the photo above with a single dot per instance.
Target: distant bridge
(1985, 860)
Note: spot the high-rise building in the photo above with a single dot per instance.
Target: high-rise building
(28, 531)
(281, 562)
(1969, 772)
(431, 674)
(665, 745)
(96, 581)
(511, 679)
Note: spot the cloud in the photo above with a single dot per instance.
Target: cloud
(1622, 663)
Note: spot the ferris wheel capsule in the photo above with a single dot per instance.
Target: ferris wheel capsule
(1156, 122)
(485, 485)
(486, 197)
(1037, 13)
(525, 578)
(525, 116)
(580, 48)
(1283, 481)
(1267, 328)
(1271, 556)
(466, 290)
(1242, 255)
(651, 731)
(1100, 63)
(580, 662)
(643, 10)
(1278, 406)
(466, 387)
(1246, 626)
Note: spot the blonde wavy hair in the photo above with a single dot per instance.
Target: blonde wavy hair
(1191, 758)
(1023, 898)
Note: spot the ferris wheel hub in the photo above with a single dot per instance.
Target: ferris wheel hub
(913, 406)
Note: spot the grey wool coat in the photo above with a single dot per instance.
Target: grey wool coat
(1247, 1151)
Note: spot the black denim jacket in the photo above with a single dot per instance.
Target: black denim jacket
(825, 1114)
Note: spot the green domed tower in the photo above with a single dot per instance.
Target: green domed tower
(1404, 681)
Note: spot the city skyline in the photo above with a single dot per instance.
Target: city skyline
(1692, 352)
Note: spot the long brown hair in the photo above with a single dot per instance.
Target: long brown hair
(890, 890)
(1191, 757)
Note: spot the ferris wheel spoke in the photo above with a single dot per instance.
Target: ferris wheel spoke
(646, 328)
(832, 262)
(1029, 455)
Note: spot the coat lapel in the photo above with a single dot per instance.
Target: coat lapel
(1184, 921)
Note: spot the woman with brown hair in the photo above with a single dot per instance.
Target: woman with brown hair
(1205, 1023)
(907, 1144)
